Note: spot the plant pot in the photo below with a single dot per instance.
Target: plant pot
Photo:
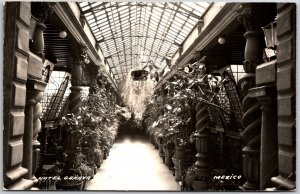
(177, 169)
(200, 186)
(181, 154)
(168, 157)
(184, 166)
(69, 187)
(71, 140)
(92, 171)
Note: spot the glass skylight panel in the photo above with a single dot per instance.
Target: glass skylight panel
(131, 29)
(83, 4)
(189, 26)
(187, 7)
(88, 18)
(88, 14)
(155, 11)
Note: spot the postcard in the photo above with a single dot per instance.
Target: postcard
(149, 96)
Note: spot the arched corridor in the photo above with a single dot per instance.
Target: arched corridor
(133, 164)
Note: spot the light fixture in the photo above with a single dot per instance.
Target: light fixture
(270, 33)
(86, 61)
(139, 75)
(63, 34)
(221, 40)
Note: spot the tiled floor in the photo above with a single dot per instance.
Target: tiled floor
(133, 164)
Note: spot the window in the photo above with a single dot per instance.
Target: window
(238, 71)
(55, 95)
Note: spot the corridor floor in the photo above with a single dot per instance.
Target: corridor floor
(133, 164)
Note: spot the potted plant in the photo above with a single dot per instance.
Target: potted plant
(169, 152)
(87, 172)
(194, 181)
(72, 156)
(70, 177)
(98, 157)
(182, 151)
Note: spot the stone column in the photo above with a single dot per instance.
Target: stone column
(37, 112)
(93, 72)
(202, 138)
(250, 106)
(269, 144)
(34, 89)
(33, 112)
(28, 134)
(75, 95)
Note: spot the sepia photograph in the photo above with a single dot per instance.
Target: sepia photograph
(149, 96)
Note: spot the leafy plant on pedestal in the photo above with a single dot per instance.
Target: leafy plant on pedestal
(72, 156)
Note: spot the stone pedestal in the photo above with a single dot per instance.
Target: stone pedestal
(33, 112)
(269, 144)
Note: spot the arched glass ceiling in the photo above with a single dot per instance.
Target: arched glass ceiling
(136, 34)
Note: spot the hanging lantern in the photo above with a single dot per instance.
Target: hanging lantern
(139, 75)
(270, 33)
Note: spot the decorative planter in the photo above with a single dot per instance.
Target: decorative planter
(181, 154)
(92, 171)
(168, 157)
(71, 140)
(200, 186)
(104, 156)
(177, 170)
(98, 160)
(184, 165)
(69, 187)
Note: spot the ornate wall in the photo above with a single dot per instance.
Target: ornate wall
(16, 55)
(286, 99)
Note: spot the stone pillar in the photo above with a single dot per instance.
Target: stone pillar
(28, 134)
(269, 145)
(286, 99)
(93, 73)
(202, 138)
(250, 106)
(35, 87)
(75, 101)
(33, 112)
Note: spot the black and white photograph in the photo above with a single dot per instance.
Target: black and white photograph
(186, 96)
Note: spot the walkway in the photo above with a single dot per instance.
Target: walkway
(133, 164)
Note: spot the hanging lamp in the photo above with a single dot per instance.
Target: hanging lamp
(139, 75)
